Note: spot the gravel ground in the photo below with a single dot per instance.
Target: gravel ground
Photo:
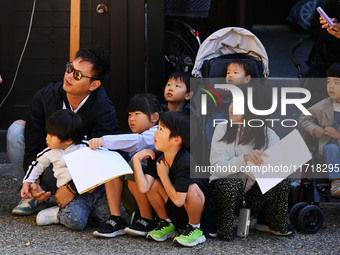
(21, 235)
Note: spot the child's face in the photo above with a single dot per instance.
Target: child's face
(176, 91)
(162, 138)
(53, 142)
(139, 122)
(333, 88)
(236, 75)
(232, 117)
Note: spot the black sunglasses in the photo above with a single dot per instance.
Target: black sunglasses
(77, 75)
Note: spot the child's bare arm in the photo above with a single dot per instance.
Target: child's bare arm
(144, 181)
(95, 143)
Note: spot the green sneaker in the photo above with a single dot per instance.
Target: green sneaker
(163, 231)
(190, 237)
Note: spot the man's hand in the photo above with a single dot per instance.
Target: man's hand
(38, 193)
(63, 196)
(95, 143)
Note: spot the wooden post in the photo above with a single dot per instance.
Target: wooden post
(74, 28)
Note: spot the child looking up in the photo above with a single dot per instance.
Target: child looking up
(235, 145)
(179, 201)
(324, 124)
(64, 135)
(143, 117)
(177, 92)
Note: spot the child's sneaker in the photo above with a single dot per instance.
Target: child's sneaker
(141, 227)
(190, 237)
(48, 216)
(162, 232)
(335, 188)
(114, 226)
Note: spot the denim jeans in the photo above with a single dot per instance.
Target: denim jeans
(87, 207)
(331, 154)
(16, 149)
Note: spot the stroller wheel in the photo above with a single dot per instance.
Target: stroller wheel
(310, 219)
(294, 213)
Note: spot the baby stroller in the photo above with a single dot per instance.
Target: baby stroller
(219, 49)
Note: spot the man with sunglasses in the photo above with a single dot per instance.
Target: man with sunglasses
(81, 92)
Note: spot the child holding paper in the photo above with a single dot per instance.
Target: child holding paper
(64, 130)
(324, 123)
(143, 117)
(233, 145)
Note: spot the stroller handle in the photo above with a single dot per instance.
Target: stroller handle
(292, 51)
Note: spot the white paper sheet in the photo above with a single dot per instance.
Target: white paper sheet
(284, 158)
(90, 168)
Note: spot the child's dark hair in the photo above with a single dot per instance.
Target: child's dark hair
(183, 77)
(100, 60)
(65, 125)
(253, 136)
(334, 70)
(248, 68)
(179, 125)
(146, 103)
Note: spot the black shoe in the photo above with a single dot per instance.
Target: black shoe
(113, 227)
(141, 227)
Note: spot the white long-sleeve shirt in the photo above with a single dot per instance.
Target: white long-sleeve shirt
(231, 154)
(131, 143)
(56, 158)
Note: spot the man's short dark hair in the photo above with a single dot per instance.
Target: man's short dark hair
(183, 77)
(334, 70)
(65, 125)
(100, 60)
(179, 125)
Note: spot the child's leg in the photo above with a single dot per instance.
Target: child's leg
(100, 211)
(76, 213)
(114, 195)
(142, 200)
(158, 197)
(276, 206)
(194, 204)
(331, 153)
(227, 194)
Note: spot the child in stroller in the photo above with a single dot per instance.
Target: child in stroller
(227, 45)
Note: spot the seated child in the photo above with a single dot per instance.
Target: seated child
(239, 72)
(179, 201)
(143, 117)
(235, 145)
(177, 92)
(64, 130)
(324, 124)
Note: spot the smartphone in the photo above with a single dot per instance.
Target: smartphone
(244, 222)
(325, 16)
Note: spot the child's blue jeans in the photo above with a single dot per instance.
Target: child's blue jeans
(87, 207)
(331, 153)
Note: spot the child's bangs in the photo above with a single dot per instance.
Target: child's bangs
(140, 104)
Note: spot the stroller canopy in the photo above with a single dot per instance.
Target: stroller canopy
(231, 40)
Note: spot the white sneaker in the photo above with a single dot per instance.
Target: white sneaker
(48, 216)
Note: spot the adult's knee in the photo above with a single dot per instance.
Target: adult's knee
(331, 149)
(15, 133)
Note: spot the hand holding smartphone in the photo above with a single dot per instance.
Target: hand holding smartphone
(325, 16)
